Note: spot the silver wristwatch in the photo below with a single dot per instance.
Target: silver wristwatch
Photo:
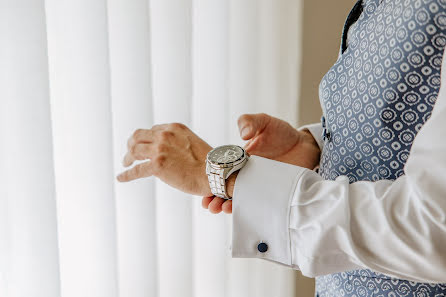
(221, 162)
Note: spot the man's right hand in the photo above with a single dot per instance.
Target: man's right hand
(275, 139)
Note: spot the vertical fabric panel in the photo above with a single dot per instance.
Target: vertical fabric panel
(264, 61)
(81, 113)
(28, 243)
(242, 83)
(172, 87)
(278, 85)
(265, 57)
(115, 66)
(129, 41)
(210, 115)
(279, 57)
(5, 235)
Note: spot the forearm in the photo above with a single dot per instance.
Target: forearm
(326, 226)
(322, 227)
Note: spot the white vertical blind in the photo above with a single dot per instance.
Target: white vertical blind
(83, 153)
(264, 55)
(171, 25)
(210, 121)
(129, 46)
(76, 79)
(28, 242)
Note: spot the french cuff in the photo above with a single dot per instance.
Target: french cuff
(316, 131)
(261, 203)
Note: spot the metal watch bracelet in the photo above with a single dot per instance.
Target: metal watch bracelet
(218, 183)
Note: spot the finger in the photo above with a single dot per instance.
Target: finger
(138, 171)
(247, 144)
(205, 201)
(215, 205)
(140, 135)
(250, 124)
(144, 135)
(141, 151)
(227, 206)
(128, 160)
(250, 146)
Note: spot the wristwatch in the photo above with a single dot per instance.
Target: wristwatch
(221, 162)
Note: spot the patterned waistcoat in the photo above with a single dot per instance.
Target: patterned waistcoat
(375, 99)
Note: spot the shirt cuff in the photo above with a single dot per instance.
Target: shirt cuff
(261, 203)
(316, 131)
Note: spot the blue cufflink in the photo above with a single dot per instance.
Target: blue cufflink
(262, 247)
(326, 135)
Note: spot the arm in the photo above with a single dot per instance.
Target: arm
(274, 139)
(313, 131)
(320, 227)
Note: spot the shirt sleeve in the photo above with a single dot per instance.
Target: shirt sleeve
(397, 228)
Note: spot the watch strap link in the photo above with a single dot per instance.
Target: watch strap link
(218, 183)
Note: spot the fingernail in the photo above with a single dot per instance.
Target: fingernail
(244, 132)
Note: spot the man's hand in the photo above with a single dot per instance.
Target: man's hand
(177, 157)
(271, 138)
(275, 139)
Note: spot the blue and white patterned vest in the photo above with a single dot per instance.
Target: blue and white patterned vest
(375, 99)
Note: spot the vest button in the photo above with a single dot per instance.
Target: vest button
(323, 121)
(262, 247)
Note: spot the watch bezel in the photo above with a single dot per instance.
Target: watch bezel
(220, 165)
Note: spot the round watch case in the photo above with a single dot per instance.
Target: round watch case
(232, 158)
(240, 159)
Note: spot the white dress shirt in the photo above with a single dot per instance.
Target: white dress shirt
(320, 227)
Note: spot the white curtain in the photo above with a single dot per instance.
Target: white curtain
(77, 77)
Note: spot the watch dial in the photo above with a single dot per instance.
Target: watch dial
(226, 154)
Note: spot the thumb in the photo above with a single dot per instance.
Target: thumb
(250, 124)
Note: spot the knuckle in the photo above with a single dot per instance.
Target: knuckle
(162, 148)
(262, 115)
(137, 151)
(177, 126)
(160, 161)
(166, 135)
(137, 134)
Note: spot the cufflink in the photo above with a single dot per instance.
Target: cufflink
(262, 247)
(326, 134)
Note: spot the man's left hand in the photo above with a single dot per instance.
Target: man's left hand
(177, 157)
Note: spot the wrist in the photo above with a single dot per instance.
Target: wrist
(311, 148)
(310, 139)
(230, 184)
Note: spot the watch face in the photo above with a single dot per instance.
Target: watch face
(226, 154)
